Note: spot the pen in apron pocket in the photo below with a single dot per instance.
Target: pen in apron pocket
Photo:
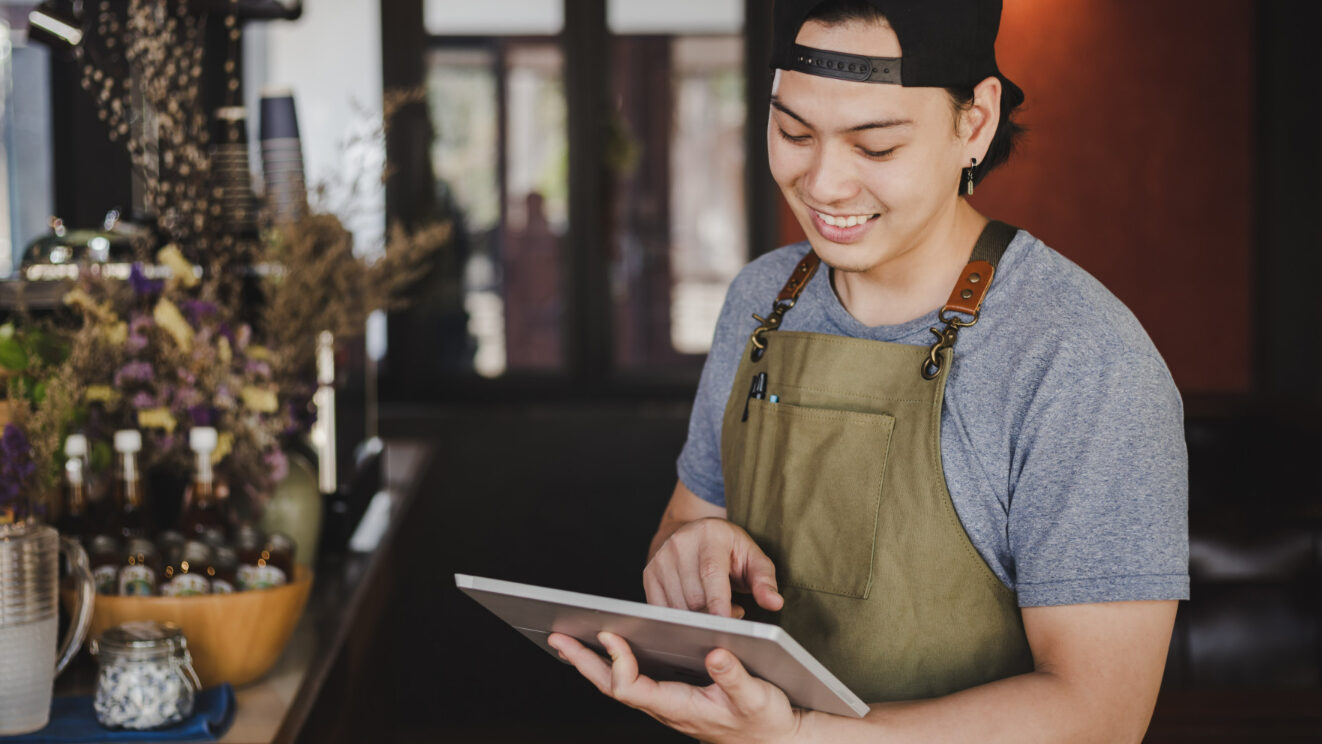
(757, 390)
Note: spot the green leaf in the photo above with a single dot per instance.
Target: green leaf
(12, 355)
(48, 347)
(39, 392)
(101, 457)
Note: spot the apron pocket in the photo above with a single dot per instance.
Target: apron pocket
(814, 493)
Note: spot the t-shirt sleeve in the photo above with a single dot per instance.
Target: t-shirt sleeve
(1099, 506)
(700, 461)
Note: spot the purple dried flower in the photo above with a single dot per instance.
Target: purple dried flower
(202, 415)
(225, 330)
(134, 372)
(187, 397)
(16, 467)
(277, 463)
(141, 284)
(135, 343)
(198, 310)
(143, 399)
(257, 367)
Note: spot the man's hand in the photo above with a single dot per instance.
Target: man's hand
(696, 568)
(737, 708)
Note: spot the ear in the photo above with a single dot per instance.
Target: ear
(981, 119)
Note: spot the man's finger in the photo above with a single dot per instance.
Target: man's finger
(584, 659)
(760, 576)
(737, 611)
(744, 692)
(714, 574)
(623, 669)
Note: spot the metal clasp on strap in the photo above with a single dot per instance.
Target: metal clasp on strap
(769, 323)
(945, 339)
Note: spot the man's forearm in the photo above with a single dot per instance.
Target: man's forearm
(1034, 707)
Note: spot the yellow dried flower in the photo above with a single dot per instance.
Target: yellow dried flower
(81, 300)
(167, 316)
(171, 258)
(259, 400)
(157, 418)
(116, 334)
(224, 444)
(259, 352)
(223, 351)
(99, 393)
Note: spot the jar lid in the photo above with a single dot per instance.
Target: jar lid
(141, 637)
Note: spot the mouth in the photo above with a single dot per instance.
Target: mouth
(846, 228)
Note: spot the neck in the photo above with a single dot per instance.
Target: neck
(917, 279)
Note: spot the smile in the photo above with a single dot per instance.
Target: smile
(844, 220)
(848, 228)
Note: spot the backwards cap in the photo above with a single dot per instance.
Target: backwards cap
(945, 44)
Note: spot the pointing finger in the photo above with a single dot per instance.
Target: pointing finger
(761, 577)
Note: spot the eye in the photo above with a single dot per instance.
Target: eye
(878, 155)
(797, 139)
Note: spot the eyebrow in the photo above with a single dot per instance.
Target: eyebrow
(879, 124)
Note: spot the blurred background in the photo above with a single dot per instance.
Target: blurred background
(604, 162)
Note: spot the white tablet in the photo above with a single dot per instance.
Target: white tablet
(670, 644)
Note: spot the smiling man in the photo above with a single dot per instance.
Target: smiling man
(942, 456)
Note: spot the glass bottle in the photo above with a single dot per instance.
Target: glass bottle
(105, 557)
(203, 511)
(137, 574)
(223, 569)
(130, 519)
(74, 518)
(187, 576)
(263, 564)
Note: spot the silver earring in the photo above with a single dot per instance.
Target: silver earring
(969, 174)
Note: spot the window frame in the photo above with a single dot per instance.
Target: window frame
(590, 372)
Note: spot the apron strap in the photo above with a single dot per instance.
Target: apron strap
(969, 291)
(965, 298)
(789, 294)
(972, 286)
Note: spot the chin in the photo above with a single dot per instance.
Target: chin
(849, 258)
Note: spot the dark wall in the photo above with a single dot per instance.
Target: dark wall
(1139, 165)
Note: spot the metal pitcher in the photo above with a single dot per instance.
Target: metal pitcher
(29, 596)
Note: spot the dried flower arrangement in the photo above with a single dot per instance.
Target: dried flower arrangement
(193, 349)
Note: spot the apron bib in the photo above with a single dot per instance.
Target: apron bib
(831, 452)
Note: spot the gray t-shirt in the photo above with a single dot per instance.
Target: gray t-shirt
(1062, 434)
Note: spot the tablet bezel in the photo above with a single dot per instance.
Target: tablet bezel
(669, 643)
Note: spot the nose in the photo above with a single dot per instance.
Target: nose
(831, 179)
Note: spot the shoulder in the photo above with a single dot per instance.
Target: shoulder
(1063, 317)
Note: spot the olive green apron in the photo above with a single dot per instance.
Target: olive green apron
(831, 451)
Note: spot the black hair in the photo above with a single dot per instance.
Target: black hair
(1008, 131)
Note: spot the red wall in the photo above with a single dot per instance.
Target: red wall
(1139, 164)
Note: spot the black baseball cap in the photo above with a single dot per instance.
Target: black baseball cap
(945, 44)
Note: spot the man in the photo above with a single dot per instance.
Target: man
(983, 533)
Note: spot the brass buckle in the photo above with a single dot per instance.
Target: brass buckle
(945, 339)
(769, 323)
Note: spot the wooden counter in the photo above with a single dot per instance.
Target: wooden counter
(333, 635)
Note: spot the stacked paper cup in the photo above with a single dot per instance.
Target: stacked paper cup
(282, 158)
(233, 206)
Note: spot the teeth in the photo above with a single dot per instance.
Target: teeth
(850, 221)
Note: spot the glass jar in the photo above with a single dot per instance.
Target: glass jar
(145, 677)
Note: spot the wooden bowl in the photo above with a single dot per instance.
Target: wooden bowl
(233, 638)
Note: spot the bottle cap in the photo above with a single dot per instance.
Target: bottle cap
(128, 440)
(202, 439)
(75, 446)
